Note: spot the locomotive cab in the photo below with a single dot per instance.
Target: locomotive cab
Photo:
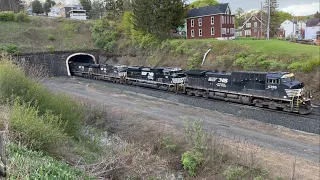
(284, 86)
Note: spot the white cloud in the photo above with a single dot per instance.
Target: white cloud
(302, 9)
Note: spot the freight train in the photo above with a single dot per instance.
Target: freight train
(273, 90)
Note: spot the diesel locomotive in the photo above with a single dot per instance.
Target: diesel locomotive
(273, 90)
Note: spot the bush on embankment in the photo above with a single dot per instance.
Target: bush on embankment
(11, 16)
(61, 110)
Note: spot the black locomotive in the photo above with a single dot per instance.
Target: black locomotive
(274, 90)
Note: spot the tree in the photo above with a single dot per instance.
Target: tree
(86, 4)
(203, 3)
(239, 18)
(274, 16)
(317, 15)
(12, 5)
(98, 9)
(284, 16)
(114, 8)
(158, 17)
(37, 7)
(47, 5)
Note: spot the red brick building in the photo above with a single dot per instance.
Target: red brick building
(252, 27)
(211, 22)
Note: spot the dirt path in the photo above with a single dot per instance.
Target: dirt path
(276, 146)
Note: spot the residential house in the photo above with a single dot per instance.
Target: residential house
(211, 22)
(293, 28)
(56, 10)
(312, 27)
(73, 12)
(253, 27)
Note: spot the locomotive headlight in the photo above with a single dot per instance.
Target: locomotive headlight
(284, 96)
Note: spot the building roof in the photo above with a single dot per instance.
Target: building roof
(253, 15)
(313, 22)
(208, 10)
(58, 5)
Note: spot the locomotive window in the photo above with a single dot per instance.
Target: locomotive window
(273, 81)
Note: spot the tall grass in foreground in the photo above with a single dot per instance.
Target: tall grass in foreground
(26, 164)
(14, 84)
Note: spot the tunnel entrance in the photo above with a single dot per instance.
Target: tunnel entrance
(79, 57)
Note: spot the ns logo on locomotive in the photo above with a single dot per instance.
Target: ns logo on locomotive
(274, 90)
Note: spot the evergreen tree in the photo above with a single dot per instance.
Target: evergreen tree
(47, 5)
(274, 16)
(86, 4)
(158, 17)
(317, 15)
(97, 9)
(37, 7)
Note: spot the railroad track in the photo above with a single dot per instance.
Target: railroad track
(313, 115)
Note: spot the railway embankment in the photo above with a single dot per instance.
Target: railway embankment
(244, 54)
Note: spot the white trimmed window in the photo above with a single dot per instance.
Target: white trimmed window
(200, 21)
(228, 30)
(192, 32)
(212, 20)
(224, 30)
(200, 32)
(212, 30)
(232, 20)
(248, 25)
(192, 22)
(247, 32)
(231, 30)
(255, 24)
(227, 17)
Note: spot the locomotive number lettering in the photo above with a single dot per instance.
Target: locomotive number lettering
(220, 80)
(272, 87)
(221, 85)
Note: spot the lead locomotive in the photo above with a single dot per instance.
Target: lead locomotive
(274, 90)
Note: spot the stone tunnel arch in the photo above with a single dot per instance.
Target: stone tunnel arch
(80, 57)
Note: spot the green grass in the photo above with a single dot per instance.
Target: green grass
(33, 36)
(274, 46)
(23, 163)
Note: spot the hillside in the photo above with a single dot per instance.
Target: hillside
(45, 34)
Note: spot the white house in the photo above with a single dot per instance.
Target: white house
(55, 10)
(293, 28)
(313, 26)
(74, 12)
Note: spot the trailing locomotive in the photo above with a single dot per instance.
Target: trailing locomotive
(275, 90)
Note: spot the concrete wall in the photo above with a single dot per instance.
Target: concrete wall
(53, 63)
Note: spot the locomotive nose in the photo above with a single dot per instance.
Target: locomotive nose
(294, 85)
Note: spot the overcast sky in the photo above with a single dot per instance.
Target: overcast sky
(296, 7)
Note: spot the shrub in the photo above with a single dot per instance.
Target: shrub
(39, 132)
(6, 16)
(169, 144)
(305, 66)
(225, 61)
(11, 49)
(51, 37)
(194, 61)
(13, 83)
(50, 48)
(25, 164)
(234, 173)
(21, 17)
(191, 161)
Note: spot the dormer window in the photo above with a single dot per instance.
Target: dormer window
(200, 21)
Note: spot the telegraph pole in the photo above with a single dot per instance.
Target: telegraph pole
(261, 30)
(268, 30)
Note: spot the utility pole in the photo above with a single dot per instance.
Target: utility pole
(261, 30)
(293, 31)
(268, 30)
